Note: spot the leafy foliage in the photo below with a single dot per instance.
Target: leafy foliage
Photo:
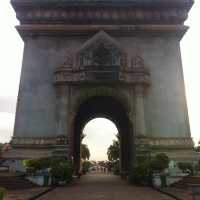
(197, 148)
(197, 166)
(1, 146)
(185, 166)
(116, 168)
(141, 173)
(113, 154)
(85, 152)
(160, 162)
(113, 151)
(86, 166)
(2, 193)
(61, 169)
(39, 164)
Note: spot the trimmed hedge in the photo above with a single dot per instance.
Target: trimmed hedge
(2, 193)
(60, 168)
(142, 172)
(184, 166)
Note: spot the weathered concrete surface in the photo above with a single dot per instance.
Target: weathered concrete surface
(165, 104)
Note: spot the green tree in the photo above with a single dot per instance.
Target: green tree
(2, 193)
(160, 162)
(86, 166)
(1, 146)
(142, 171)
(85, 152)
(113, 151)
(185, 166)
(197, 148)
(113, 154)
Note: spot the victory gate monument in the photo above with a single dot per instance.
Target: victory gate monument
(118, 59)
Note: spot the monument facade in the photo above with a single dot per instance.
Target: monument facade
(115, 59)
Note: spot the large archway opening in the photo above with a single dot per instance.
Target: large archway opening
(98, 135)
(110, 108)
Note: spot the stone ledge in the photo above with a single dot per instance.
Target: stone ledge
(39, 141)
(103, 16)
(115, 30)
(152, 141)
(19, 4)
(160, 141)
(139, 76)
(164, 143)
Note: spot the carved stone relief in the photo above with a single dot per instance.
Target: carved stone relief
(102, 59)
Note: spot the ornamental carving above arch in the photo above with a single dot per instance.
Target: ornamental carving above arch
(102, 59)
(101, 50)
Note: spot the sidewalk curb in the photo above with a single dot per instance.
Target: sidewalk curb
(166, 193)
(41, 193)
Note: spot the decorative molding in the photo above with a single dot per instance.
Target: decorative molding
(170, 143)
(30, 30)
(39, 141)
(101, 15)
(55, 16)
(149, 146)
(109, 75)
(91, 51)
(20, 4)
(85, 68)
(137, 62)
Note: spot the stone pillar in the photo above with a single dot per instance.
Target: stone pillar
(61, 121)
(62, 108)
(139, 111)
(142, 142)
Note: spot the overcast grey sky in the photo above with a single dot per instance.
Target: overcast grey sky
(11, 50)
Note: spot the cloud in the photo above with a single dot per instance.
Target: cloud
(6, 126)
(5, 135)
(7, 105)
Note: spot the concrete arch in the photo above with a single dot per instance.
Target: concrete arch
(102, 91)
(112, 109)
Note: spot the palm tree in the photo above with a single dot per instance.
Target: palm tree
(85, 152)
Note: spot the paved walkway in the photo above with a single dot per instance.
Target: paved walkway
(103, 187)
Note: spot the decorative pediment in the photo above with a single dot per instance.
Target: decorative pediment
(100, 50)
(101, 59)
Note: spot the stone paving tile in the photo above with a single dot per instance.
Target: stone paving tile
(23, 194)
(103, 187)
(183, 194)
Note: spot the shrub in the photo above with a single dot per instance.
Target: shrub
(86, 166)
(2, 193)
(185, 166)
(38, 164)
(116, 168)
(62, 171)
(197, 166)
(141, 173)
(43, 163)
(160, 162)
